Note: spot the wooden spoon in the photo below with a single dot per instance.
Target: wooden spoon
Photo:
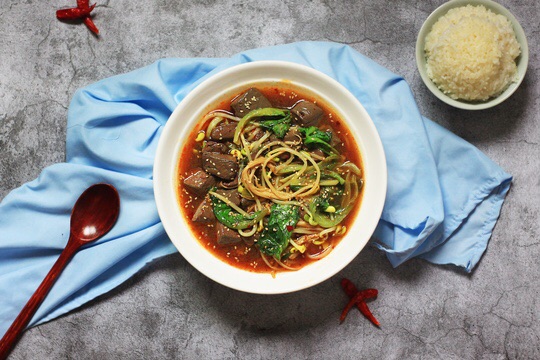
(93, 215)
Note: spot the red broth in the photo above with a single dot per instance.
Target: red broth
(242, 255)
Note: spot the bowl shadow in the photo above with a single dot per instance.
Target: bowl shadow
(249, 315)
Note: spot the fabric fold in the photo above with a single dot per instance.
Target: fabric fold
(444, 196)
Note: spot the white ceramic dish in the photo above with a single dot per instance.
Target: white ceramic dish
(522, 60)
(232, 81)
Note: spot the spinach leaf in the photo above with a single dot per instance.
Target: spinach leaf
(327, 174)
(329, 196)
(232, 219)
(281, 129)
(276, 120)
(275, 237)
(314, 132)
(330, 163)
(316, 138)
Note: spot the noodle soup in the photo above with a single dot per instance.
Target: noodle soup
(270, 180)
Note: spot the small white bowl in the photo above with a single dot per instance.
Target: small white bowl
(522, 60)
(232, 81)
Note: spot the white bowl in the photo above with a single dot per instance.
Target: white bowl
(522, 60)
(232, 81)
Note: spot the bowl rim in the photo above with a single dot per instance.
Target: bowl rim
(165, 167)
(522, 60)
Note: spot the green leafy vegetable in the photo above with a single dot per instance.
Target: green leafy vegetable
(330, 163)
(280, 129)
(232, 219)
(311, 133)
(329, 196)
(276, 235)
(276, 120)
(327, 174)
(316, 138)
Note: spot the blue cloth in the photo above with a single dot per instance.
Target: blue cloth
(444, 195)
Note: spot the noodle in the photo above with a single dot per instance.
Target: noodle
(322, 254)
(222, 114)
(267, 188)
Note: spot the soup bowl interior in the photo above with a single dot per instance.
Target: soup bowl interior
(233, 81)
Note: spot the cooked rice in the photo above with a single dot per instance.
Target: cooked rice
(471, 53)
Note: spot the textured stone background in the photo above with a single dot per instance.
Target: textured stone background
(169, 310)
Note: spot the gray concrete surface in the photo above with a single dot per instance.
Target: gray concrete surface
(169, 310)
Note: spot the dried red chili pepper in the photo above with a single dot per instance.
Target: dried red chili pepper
(349, 288)
(364, 309)
(90, 24)
(74, 13)
(81, 12)
(355, 300)
(358, 298)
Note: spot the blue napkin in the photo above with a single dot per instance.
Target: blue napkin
(444, 195)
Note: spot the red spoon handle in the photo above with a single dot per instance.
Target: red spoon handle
(20, 323)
